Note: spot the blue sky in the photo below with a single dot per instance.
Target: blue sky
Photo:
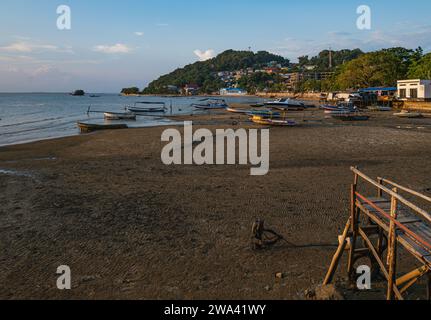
(114, 44)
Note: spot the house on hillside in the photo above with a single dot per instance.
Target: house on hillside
(416, 90)
(191, 89)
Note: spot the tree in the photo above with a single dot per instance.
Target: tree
(381, 68)
(132, 90)
(421, 69)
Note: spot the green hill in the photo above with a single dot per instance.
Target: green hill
(204, 74)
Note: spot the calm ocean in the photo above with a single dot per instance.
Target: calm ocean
(27, 117)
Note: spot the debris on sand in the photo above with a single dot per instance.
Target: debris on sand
(324, 292)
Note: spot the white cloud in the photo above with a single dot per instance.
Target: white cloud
(116, 48)
(206, 55)
(139, 33)
(27, 47)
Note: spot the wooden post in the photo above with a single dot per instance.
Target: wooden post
(337, 256)
(392, 249)
(354, 228)
(379, 191)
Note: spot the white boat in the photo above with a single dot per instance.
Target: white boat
(211, 104)
(379, 108)
(408, 114)
(120, 116)
(286, 104)
(156, 107)
(235, 110)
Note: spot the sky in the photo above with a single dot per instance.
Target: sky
(116, 44)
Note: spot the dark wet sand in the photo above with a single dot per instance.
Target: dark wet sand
(131, 227)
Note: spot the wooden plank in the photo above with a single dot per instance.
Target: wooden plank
(413, 192)
(338, 254)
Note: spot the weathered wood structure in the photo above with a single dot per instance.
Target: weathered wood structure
(386, 223)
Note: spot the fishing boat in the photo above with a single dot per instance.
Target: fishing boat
(90, 127)
(273, 122)
(264, 113)
(120, 116)
(235, 110)
(286, 104)
(211, 104)
(408, 114)
(156, 107)
(351, 116)
(379, 108)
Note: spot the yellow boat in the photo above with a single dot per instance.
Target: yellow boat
(273, 122)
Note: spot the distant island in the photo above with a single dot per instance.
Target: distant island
(78, 93)
(242, 72)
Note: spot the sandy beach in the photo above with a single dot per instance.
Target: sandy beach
(132, 228)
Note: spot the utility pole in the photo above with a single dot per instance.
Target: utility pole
(330, 58)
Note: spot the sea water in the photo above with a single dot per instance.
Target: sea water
(26, 117)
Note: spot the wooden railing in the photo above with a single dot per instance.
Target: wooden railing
(384, 222)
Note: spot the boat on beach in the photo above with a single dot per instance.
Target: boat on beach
(90, 127)
(273, 122)
(286, 104)
(211, 104)
(353, 116)
(156, 107)
(264, 113)
(408, 114)
(120, 116)
(237, 110)
(379, 108)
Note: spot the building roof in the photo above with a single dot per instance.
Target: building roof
(372, 89)
(233, 89)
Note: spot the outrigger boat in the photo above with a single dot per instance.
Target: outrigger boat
(120, 116)
(351, 117)
(286, 104)
(264, 113)
(211, 104)
(235, 110)
(90, 127)
(273, 122)
(408, 114)
(157, 107)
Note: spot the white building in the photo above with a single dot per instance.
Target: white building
(414, 89)
(233, 92)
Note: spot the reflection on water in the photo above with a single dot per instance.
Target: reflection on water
(30, 117)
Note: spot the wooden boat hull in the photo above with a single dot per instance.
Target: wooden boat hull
(347, 117)
(89, 127)
(234, 110)
(408, 115)
(119, 116)
(273, 122)
(210, 107)
(146, 110)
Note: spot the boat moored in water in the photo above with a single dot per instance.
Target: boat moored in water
(120, 116)
(154, 107)
(211, 104)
